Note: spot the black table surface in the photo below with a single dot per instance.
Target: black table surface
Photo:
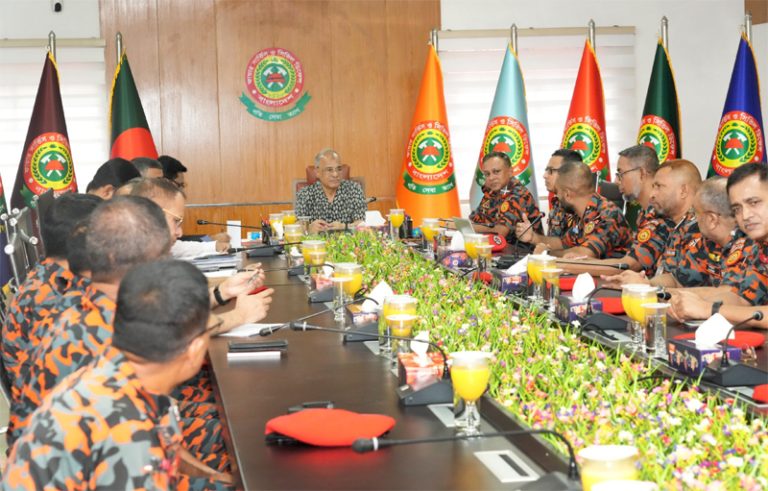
(316, 367)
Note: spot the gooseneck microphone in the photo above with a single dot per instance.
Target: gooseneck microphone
(728, 375)
(363, 445)
(233, 250)
(206, 222)
(530, 226)
(619, 266)
(267, 331)
(439, 392)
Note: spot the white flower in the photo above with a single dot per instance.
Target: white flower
(708, 438)
(626, 436)
(735, 461)
(693, 404)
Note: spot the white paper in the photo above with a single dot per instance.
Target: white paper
(457, 242)
(713, 330)
(582, 287)
(222, 273)
(295, 252)
(235, 233)
(247, 330)
(519, 267)
(374, 219)
(277, 228)
(420, 348)
(379, 293)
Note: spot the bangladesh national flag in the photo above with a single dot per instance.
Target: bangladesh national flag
(660, 125)
(741, 134)
(46, 160)
(129, 129)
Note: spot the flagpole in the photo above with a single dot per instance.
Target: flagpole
(748, 26)
(119, 45)
(513, 38)
(52, 44)
(433, 38)
(665, 32)
(591, 32)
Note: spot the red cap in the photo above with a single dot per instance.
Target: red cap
(329, 427)
(761, 393)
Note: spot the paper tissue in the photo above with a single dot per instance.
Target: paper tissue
(691, 356)
(419, 368)
(571, 307)
(514, 279)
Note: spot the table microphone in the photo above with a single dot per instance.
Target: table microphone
(206, 222)
(728, 375)
(439, 392)
(619, 266)
(363, 445)
(266, 331)
(517, 237)
(233, 250)
(601, 321)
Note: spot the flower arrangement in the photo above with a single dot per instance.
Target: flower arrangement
(549, 377)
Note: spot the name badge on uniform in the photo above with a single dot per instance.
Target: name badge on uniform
(588, 228)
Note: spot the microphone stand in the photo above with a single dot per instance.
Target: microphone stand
(267, 331)
(727, 375)
(549, 481)
(233, 250)
(206, 222)
(439, 392)
(619, 266)
(517, 237)
(601, 321)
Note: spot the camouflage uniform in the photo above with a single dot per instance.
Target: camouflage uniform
(650, 239)
(80, 335)
(747, 270)
(100, 429)
(558, 220)
(682, 233)
(507, 208)
(602, 229)
(40, 297)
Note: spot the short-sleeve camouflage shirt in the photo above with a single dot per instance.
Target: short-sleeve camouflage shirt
(41, 297)
(100, 429)
(681, 234)
(746, 270)
(558, 220)
(650, 239)
(601, 229)
(699, 261)
(506, 207)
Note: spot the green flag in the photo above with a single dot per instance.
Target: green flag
(131, 137)
(660, 126)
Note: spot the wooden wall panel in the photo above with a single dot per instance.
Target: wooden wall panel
(362, 60)
(759, 10)
(190, 117)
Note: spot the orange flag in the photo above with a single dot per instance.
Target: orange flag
(585, 127)
(427, 186)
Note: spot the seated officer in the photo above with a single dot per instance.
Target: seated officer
(744, 288)
(505, 199)
(110, 176)
(558, 220)
(112, 424)
(148, 167)
(635, 174)
(599, 230)
(45, 286)
(331, 203)
(674, 192)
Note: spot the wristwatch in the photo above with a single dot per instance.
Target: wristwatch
(716, 307)
(217, 295)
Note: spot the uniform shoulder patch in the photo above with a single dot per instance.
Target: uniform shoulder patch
(644, 235)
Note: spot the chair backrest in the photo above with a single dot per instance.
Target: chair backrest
(312, 173)
(610, 190)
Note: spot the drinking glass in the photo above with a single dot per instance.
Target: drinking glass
(304, 222)
(339, 297)
(352, 271)
(276, 222)
(400, 325)
(551, 279)
(293, 233)
(656, 329)
(471, 242)
(536, 263)
(484, 253)
(470, 372)
(633, 296)
(429, 228)
(396, 219)
(393, 305)
(601, 463)
(289, 217)
(314, 253)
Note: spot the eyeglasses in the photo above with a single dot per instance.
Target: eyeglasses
(177, 220)
(550, 170)
(619, 175)
(333, 170)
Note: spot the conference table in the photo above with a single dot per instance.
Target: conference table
(318, 366)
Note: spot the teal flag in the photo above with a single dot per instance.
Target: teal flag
(507, 129)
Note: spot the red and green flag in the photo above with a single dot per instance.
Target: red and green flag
(46, 161)
(585, 126)
(427, 185)
(131, 137)
(741, 135)
(660, 125)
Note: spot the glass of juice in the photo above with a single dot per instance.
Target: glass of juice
(314, 253)
(396, 219)
(484, 254)
(289, 217)
(293, 233)
(537, 263)
(470, 245)
(551, 279)
(352, 271)
(429, 229)
(393, 305)
(400, 325)
(600, 463)
(633, 296)
(470, 372)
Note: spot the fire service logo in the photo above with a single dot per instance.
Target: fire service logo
(274, 79)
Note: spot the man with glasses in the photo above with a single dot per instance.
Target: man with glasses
(332, 203)
(113, 425)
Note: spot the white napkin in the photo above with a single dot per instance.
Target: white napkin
(278, 229)
(235, 233)
(519, 267)
(713, 330)
(379, 293)
(294, 251)
(419, 347)
(374, 219)
(457, 241)
(327, 271)
(582, 287)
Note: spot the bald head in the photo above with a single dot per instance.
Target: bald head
(712, 196)
(684, 172)
(674, 187)
(575, 177)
